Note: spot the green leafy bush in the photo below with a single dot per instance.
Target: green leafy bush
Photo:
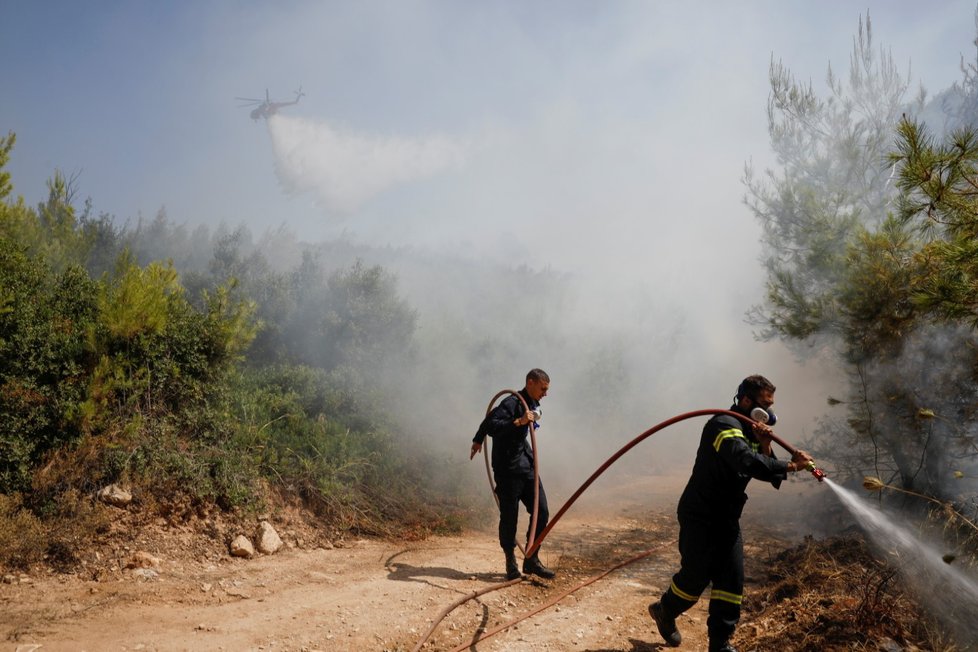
(44, 359)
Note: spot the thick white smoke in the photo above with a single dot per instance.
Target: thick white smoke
(343, 169)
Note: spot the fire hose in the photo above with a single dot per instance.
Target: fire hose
(818, 473)
(533, 546)
(557, 598)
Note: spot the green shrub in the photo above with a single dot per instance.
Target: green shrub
(44, 360)
(312, 437)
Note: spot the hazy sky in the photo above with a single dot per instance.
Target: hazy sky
(575, 125)
(607, 138)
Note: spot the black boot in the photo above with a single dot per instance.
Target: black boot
(512, 568)
(532, 566)
(666, 625)
(721, 646)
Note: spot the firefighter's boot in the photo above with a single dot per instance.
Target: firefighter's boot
(512, 567)
(721, 646)
(666, 625)
(533, 566)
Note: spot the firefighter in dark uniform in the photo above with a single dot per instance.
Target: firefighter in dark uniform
(731, 452)
(512, 468)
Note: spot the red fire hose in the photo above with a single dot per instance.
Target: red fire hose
(818, 473)
(557, 598)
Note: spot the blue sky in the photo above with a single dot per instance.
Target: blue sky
(603, 138)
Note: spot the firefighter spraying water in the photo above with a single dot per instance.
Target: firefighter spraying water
(734, 448)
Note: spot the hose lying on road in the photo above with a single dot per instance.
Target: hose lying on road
(465, 598)
(558, 598)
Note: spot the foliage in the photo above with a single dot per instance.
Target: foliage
(831, 181)
(154, 351)
(311, 435)
(6, 145)
(364, 323)
(959, 104)
(937, 183)
(27, 539)
(161, 239)
(348, 320)
(873, 297)
(202, 388)
(889, 296)
(43, 360)
(939, 197)
(22, 534)
(111, 364)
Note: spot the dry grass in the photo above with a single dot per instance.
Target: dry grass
(26, 539)
(833, 595)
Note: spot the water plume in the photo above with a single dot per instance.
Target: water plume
(343, 169)
(948, 593)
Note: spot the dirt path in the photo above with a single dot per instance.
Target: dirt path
(368, 595)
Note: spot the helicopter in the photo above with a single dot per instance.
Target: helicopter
(266, 108)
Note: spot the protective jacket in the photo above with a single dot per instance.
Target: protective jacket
(727, 458)
(511, 450)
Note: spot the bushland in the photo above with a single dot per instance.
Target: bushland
(222, 389)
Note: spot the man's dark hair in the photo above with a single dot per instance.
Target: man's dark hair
(753, 385)
(537, 375)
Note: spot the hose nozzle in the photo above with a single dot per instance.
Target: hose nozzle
(817, 472)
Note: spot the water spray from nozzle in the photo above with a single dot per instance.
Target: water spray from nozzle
(872, 483)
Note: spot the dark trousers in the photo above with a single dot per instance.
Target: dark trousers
(511, 491)
(711, 553)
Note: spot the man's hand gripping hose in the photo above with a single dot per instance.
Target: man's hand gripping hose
(817, 472)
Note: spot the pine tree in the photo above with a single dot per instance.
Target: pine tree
(939, 197)
(845, 275)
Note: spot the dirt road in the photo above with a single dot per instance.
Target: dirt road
(366, 595)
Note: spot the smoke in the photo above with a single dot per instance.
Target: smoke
(601, 300)
(921, 404)
(637, 277)
(344, 169)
